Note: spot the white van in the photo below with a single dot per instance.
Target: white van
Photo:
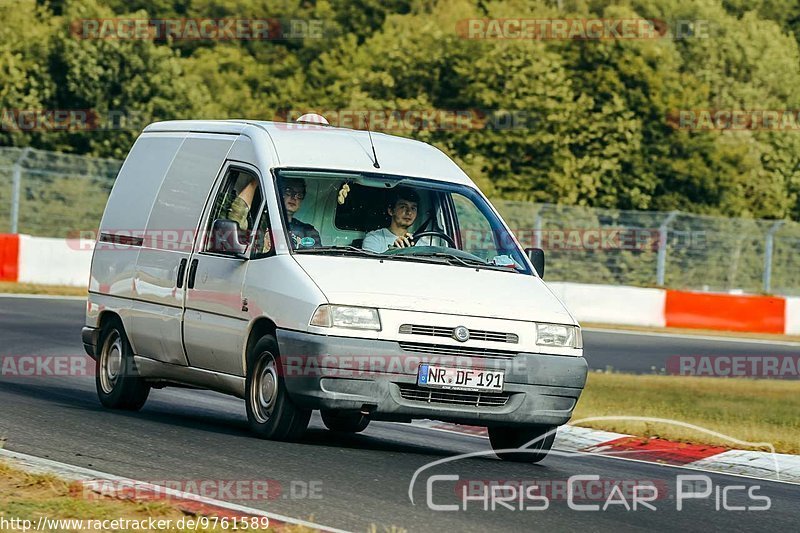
(258, 259)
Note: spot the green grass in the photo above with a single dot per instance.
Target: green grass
(29, 496)
(7, 287)
(746, 409)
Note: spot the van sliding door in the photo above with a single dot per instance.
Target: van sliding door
(162, 267)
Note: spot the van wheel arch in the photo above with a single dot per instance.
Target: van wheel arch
(103, 320)
(106, 316)
(261, 326)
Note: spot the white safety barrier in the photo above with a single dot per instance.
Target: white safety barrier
(612, 304)
(792, 316)
(53, 261)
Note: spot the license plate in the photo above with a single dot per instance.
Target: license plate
(440, 377)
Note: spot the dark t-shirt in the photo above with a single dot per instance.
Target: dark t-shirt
(303, 235)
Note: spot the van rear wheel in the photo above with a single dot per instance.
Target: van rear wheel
(116, 378)
(270, 412)
(344, 422)
(514, 438)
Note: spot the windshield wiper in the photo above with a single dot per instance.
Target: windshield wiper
(416, 258)
(436, 258)
(352, 250)
(465, 261)
(343, 250)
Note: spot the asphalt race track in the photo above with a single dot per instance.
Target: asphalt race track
(350, 482)
(643, 353)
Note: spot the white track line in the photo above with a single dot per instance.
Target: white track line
(692, 336)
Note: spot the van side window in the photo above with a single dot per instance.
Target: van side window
(239, 199)
(475, 232)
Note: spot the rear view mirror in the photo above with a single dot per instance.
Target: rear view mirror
(536, 255)
(224, 238)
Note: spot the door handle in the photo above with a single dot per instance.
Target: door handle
(181, 272)
(192, 273)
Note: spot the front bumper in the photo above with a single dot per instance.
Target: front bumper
(325, 372)
(89, 337)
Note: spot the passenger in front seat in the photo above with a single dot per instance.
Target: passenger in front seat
(301, 235)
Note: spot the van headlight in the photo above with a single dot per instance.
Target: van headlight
(343, 316)
(558, 335)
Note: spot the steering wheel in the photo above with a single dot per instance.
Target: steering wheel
(445, 237)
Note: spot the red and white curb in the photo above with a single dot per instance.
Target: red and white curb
(122, 488)
(638, 306)
(761, 465)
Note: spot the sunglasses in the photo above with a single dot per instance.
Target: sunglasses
(294, 193)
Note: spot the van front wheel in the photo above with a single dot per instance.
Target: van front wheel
(118, 383)
(270, 412)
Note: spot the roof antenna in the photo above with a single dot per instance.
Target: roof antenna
(375, 163)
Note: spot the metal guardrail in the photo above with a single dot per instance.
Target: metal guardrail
(651, 248)
(58, 195)
(52, 194)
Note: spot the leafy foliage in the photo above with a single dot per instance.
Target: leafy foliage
(589, 118)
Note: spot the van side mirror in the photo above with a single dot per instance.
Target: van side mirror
(224, 238)
(536, 255)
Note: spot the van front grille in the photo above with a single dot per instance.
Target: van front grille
(441, 349)
(477, 399)
(474, 334)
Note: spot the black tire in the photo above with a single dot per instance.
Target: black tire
(344, 422)
(503, 438)
(116, 378)
(270, 412)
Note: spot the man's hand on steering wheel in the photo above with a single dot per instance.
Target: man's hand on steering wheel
(431, 233)
(406, 241)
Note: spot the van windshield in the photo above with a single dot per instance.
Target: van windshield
(395, 218)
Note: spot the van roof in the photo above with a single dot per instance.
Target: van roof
(328, 147)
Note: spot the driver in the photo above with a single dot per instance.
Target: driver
(402, 209)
